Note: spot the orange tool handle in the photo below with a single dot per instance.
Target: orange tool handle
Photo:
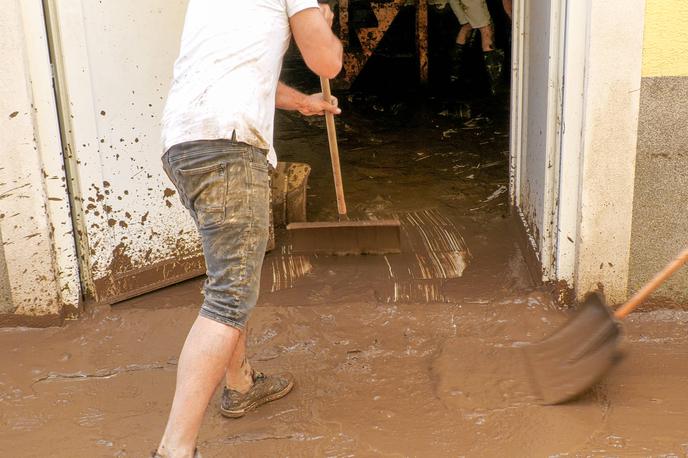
(334, 152)
(655, 283)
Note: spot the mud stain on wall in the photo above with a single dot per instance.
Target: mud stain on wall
(6, 305)
(125, 280)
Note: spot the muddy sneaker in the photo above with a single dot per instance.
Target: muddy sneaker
(266, 388)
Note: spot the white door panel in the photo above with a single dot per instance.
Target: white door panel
(114, 65)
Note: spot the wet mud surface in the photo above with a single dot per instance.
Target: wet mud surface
(416, 354)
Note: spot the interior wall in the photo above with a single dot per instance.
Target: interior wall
(660, 211)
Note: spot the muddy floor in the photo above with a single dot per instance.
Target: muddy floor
(415, 355)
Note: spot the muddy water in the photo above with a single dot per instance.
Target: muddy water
(408, 355)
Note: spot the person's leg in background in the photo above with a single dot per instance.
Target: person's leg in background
(475, 14)
(458, 51)
(508, 7)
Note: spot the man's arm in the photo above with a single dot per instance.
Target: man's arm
(321, 49)
(288, 98)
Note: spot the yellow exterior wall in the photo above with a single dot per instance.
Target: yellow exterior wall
(666, 38)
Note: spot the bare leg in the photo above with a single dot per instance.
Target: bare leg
(508, 7)
(464, 32)
(202, 364)
(487, 37)
(239, 372)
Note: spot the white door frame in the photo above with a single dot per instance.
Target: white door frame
(574, 55)
(544, 248)
(78, 125)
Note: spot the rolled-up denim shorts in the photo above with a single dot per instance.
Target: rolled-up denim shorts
(224, 185)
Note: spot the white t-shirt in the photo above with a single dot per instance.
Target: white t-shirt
(226, 75)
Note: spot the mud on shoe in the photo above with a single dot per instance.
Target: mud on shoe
(266, 388)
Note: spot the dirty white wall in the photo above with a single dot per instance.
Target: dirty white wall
(39, 276)
(576, 97)
(5, 290)
(607, 123)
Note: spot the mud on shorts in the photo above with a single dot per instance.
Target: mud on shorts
(224, 185)
(473, 12)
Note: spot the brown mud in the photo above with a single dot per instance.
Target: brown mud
(414, 354)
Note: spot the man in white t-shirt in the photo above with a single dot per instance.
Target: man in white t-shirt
(217, 141)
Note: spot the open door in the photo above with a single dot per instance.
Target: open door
(535, 125)
(113, 64)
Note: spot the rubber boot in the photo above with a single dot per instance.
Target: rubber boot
(494, 64)
(474, 39)
(457, 57)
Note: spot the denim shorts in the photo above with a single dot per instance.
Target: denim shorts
(225, 186)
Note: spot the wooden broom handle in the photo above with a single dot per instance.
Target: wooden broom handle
(334, 151)
(655, 283)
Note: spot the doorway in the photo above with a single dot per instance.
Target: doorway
(434, 155)
(410, 149)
